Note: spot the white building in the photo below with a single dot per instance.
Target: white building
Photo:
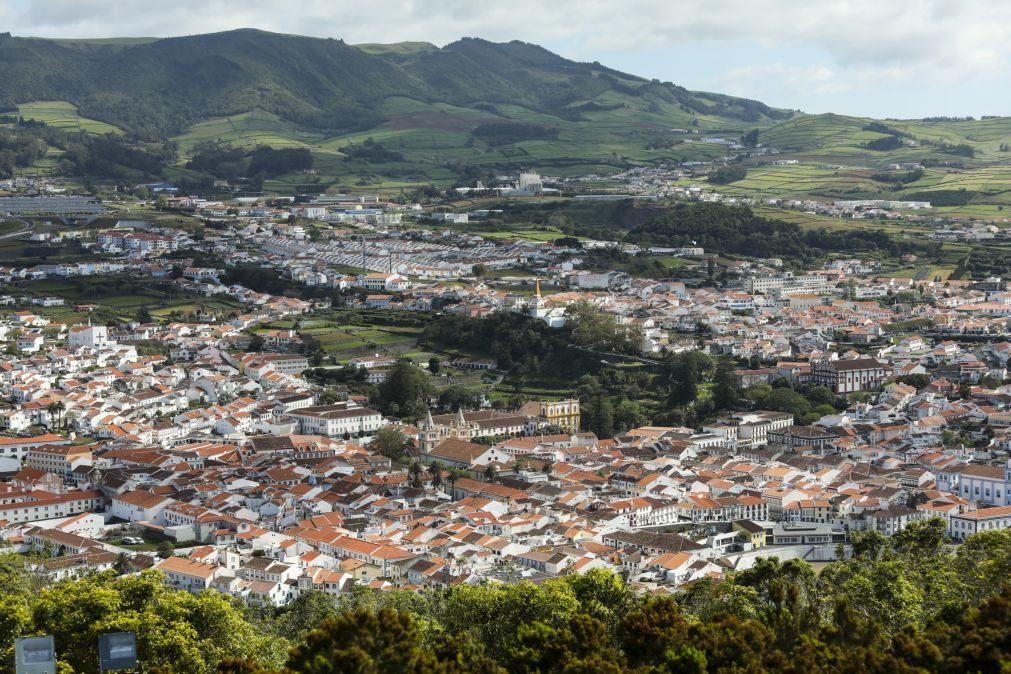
(336, 420)
(962, 526)
(91, 336)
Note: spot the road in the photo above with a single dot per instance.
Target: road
(27, 226)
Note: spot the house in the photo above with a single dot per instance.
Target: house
(984, 484)
(964, 525)
(336, 420)
(139, 506)
(849, 375)
(186, 574)
(457, 453)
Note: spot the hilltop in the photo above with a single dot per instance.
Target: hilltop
(161, 87)
(393, 116)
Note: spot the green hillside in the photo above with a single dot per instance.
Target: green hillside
(377, 116)
(162, 87)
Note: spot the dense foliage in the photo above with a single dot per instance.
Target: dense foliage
(959, 197)
(82, 154)
(908, 604)
(738, 231)
(370, 150)
(229, 163)
(884, 144)
(728, 174)
(158, 88)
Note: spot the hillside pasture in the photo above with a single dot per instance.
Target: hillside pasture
(64, 115)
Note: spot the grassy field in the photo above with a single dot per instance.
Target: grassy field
(119, 305)
(63, 115)
(526, 234)
(344, 341)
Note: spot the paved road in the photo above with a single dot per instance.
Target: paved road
(27, 226)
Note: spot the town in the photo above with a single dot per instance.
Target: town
(409, 338)
(232, 445)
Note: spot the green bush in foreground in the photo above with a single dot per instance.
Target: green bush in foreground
(900, 605)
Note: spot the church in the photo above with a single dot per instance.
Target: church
(485, 423)
(545, 311)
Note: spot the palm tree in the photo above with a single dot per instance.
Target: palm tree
(55, 409)
(60, 408)
(416, 473)
(454, 475)
(435, 469)
(490, 472)
(122, 564)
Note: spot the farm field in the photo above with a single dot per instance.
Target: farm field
(114, 305)
(63, 115)
(527, 234)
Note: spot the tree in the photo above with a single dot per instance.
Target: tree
(256, 344)
(603, 595)
(457, 397)
(165, 549)
(435, 470)
(305, 613)
(122, 564)
(55, 410)
(330, 396)
(629, 414)
(383, 642)
(479, 270)
(434, 365)
(593, 328)
(454, 475)
(645, 635)
(687, 370)
(407, 390)
(187, 632)
(601, 416)
(143, 315)
(390, 442)
(788, 400)
(726, 391)
(728, 174)
(490, 472)
(984, 560)
(416, 474)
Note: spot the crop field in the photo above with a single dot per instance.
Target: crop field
(801, 180)
(248, 129)
(63, 115)
(842, 139)
(119, 305)
(432, 136)
(527, 234)
(344, 341)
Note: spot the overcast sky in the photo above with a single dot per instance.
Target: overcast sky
(882, 58)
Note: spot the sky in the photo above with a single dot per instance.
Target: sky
(878, 58)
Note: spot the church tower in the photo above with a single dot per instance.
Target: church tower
(537, 307)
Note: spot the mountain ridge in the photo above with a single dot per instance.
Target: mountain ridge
(159, 87)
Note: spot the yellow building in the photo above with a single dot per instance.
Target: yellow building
(754, 532)
(562, 413)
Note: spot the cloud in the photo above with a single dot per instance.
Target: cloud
(759, 80)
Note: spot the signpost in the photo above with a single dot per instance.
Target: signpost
(35, 655)
(117, 651)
